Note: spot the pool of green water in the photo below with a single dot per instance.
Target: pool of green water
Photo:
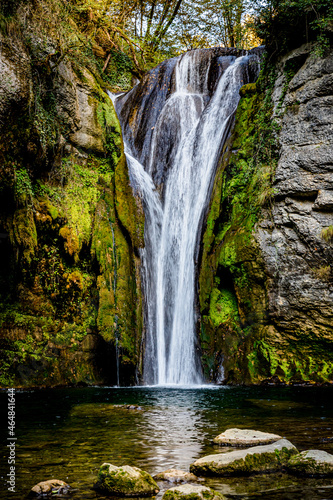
(68, 433)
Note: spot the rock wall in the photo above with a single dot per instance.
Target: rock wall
(70, 293)
(265, 278)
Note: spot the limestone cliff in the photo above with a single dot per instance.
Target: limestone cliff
(266, 282)
(69, 225)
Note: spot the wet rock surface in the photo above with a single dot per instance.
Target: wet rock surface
(244, 437)
(125, 481)
(50, 487)
(312, 463)
(175, 476)
(242, 462)
(192, 492)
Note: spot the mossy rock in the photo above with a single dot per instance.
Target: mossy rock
(192, 492)
(311, 463)
(249, 88)
(266, 458)
(125, 481)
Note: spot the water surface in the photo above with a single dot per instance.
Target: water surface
(68, 433)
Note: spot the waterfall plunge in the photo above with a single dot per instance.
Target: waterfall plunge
(172, 158)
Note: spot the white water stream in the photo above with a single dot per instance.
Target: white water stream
(174, 220)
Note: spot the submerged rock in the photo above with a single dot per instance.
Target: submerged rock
(175, 476)
(245, 437)
(125, 481)
(266, 458)
(192, 492)
(50, 487)
(312, 463)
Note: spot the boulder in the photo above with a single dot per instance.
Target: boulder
(175, 476)
(50, 487)
(192, 492)
(125, 481)
(265, 458)
(245, 437)
(312, 463)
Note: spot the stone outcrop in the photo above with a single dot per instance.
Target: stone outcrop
(265, 458)
(265, 280)
(125, 481)
(245, 437)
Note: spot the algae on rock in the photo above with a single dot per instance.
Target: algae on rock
(64, 192)
(265, 279)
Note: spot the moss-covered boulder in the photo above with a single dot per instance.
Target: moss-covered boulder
(265, 458)
(175, 476)
(312, 463)
(125, 481)
(245, 437)
(192, 492)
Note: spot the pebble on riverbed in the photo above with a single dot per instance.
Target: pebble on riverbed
(245, 437)
(50, 487)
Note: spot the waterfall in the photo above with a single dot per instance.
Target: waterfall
(175, 124)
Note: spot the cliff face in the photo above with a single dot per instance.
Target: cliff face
(266, 283)
(69, 224)
(70, 228)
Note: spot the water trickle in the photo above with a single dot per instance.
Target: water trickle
(173, 174)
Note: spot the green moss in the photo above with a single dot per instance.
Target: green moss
(24, 232)
(122, 483)
(223, 306)
(242, 191)
(250, 464)
(306, 466)
(327, 234)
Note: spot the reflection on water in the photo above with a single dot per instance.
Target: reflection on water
(68, 433)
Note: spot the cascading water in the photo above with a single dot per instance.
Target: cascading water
(175, 124)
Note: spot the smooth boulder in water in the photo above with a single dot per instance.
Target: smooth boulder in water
(266, 458)
(125, 481)
(312, 463)
(175, 476)
(245, 437)
(192, 492)
(50, 487)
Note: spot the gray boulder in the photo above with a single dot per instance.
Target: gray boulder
(125, 481)
(245, 437)
(266, 458)
(312, 463)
